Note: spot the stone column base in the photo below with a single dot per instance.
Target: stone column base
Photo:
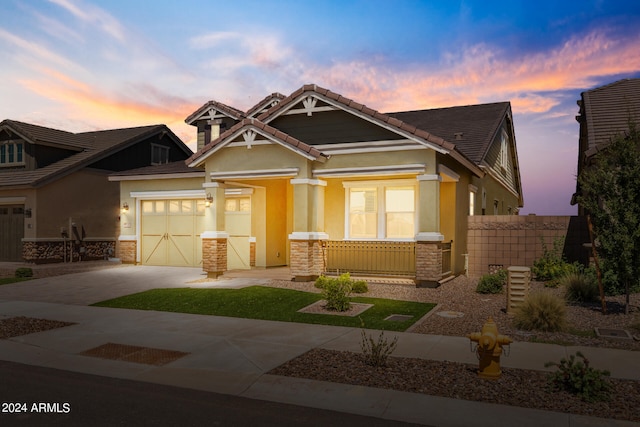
(214, 256)
(307, 260)
(127, 251)
(428, 264)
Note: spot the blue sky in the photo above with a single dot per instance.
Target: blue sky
(81, 65)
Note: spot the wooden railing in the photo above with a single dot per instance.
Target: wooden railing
(446, 259)
(370, 257)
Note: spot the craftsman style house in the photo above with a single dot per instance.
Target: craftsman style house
(322, 183)
(56, 203)
(605, 112)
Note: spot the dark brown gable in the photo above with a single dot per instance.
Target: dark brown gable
(331, 127)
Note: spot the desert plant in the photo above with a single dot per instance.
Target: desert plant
(541, 311)
(579, 288)
(492, 283)
(552, 266)
(336, 293)
(359, 286)
(577, 377)
(377, 352)
(24, 272)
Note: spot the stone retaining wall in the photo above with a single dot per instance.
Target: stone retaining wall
(58, 250)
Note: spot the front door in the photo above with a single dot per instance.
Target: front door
(238, 225)
(12, 232)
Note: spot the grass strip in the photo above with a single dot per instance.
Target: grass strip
(261, 302)
(8, 280)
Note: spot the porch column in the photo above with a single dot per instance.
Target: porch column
(306, 257)
(429, 238)
(214, 239)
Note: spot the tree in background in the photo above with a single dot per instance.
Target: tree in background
(610, 193)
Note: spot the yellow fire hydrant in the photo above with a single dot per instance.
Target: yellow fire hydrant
(489, 349)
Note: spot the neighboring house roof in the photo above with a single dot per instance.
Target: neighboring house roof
(471, 127)
(607, 110)
(89, 146)
(270, 132)
(167, 170)
(268, 102)
(219, 107)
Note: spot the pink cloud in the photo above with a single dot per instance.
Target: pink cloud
(484, 74)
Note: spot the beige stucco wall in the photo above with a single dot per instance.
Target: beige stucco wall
(259, 157)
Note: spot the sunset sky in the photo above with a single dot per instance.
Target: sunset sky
(82, 65)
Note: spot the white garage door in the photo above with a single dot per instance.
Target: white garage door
(171, 231)
(238, 225)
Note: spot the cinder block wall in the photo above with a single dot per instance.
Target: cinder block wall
(495, 241)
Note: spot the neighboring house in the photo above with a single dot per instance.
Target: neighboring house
(605, 112)
(321, 183)
(56, 202)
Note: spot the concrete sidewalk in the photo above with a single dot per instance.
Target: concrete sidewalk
(232, 356)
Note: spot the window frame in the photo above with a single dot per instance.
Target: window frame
(381, 212)
(12, 153)
(159, 152)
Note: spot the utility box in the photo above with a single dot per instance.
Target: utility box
(518, 283)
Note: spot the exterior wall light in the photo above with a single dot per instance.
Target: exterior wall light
(27, 213)
(208, 200)
(125, 207)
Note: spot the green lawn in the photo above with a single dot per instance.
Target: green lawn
(7, 280)
(259, 302)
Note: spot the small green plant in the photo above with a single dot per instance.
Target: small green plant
(577, 377)
(359, 287)
(579, 288)
(541, 311)
(552, 266)
(24, 272)
(376, 352)
(321, 282)
(492, 283)
(336, 292)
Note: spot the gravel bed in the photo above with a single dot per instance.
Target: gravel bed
(460, 381)
(516, 387)
(459, 295)
(21, 325)
(455, 380)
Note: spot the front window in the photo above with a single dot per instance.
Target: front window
(381, 211)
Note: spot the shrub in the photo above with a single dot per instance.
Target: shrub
(336, 292)
(552, 266)
(321, 282)
(24, 272)
(541, 311)
(579, 288)
(359, 287)
(377, 352)
(579, 378)
(492, 283)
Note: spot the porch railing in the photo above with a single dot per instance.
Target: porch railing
(370, 257)
(446, 259)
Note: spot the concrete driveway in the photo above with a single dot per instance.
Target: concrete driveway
(98, 285)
